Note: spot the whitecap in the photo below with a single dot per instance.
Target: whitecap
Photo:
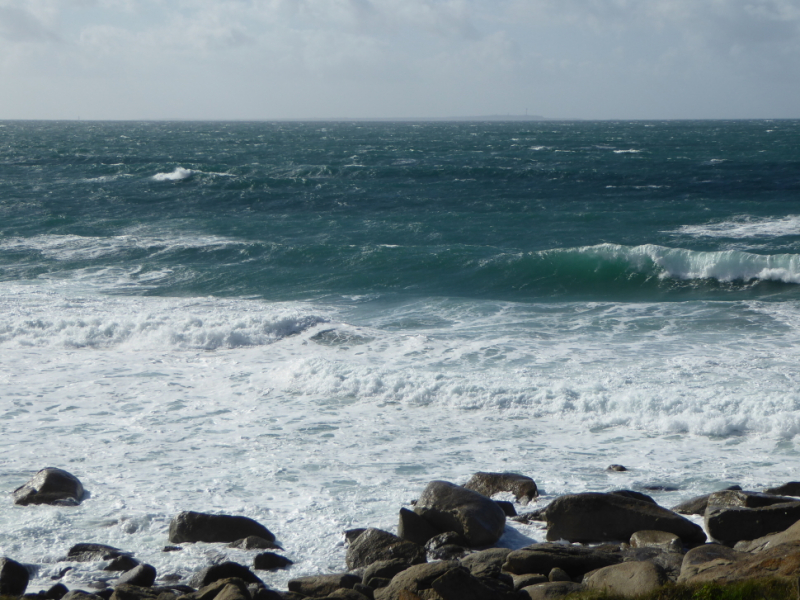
(177, 175)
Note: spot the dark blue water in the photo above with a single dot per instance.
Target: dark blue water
(533, 211)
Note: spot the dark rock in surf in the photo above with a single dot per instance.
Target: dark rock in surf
(226, 570)
(50, 486)
(269, 561)
(507, 507)
(374, 545)
(92, 552)
(489, 484)
(744, 499)
(55, 592)
(143, 575)
(383, 570)
(13, 578)
(414, 528)
(616, 468)
(123, 562)
(698, 504)
(254, 542)
(201, 527)
(595, 517)
(787, 489)
(450, 507)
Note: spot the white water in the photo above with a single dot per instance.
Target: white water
(315, 419)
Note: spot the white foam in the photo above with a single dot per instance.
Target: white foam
(177, 175)
(744, 227)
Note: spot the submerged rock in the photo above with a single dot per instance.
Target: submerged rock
(50, 486)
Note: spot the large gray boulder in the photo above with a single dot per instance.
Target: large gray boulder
(489, 484)
(595, 517)
(201, 527)
(450, 507)
(50, 486)
(731, 525)
(13, 578)
(543, 558)
(374, 545)
(627, 579)
(769, 541)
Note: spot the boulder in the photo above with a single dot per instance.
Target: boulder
(415, 579)
(319, 586)
(507, 507)
(791, 534)
(200, 527)
(489, 484)
(522, 581)
(539, 515)
(232, 591)
(375, 544)
(225, 570)
(458, 584)
(143, 575)
(542, 558)
(128, 591)
(733, 498)
(450, 507)
(698, 504)
(253, 542)
(383, 569)
(50, 486)
(210, 591)
(80, 595)
(781, 561)
(634, 495)
(558, 574)
(706, 556)
(345, 594)
(669, 562)
(731, 525)
(13, 578)
(486, 563)
(547, 591)
(269, 561)
(787, 489)
(616, 468)
(124, 562)
(413, 528)
(627, 579)
(55, 592)
(669, 542)
(594, 517)
(93, 552)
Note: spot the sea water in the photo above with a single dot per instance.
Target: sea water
(304, 323)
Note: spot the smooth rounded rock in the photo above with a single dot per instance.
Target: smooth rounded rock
(523, 487)
(201, 527)
(50, 486)
(375, 544)
(627, 579)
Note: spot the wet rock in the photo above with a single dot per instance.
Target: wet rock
(415, 579)
(669, 542)
(80, 595)
(55, 592)
(734, 498)
(233, 592)
(634, 496)
(345, 594)
(210, 591)
(458, 584)
(521, 581)
(707, 556)
(627, 579)
(489, 484)
(124, 562)
(143, 575)
(548, 591)
(542, 558)
(533, 516)
(698, 504)
(787, 489)
(446, 546)
(351, 535)
(225, 570)
(507, 507)
(731, 525)
(781, 561)
(617, 468)
(128, 591)
(319, 586)
(413, 528)
(669, 562)
(766, 542)
(594, 517)
(383, 570)
(253, 542)
(375, 544)
(93, 552)
(200, 527)
(50, 486)
(558, 574)
(450, 507)
(269, 561)
(486, 563)
(13, 578)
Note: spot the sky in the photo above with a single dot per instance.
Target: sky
(328, 59)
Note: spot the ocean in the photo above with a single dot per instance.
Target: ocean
(306, 322)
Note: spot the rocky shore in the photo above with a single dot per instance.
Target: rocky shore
(621, 543)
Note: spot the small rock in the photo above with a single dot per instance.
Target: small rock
(129, 591)
(143, 575)
(413, 528)
(617, 468)
(201, 527)
(507, 507)
(93, 552)
(171, 549)
(269, 561)
(486, 564)
(669, 542)
(56, 592)
(50, 486)
(521, 581)
(627, 579)
(124, 562)
(558, 574)
(225, 570)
